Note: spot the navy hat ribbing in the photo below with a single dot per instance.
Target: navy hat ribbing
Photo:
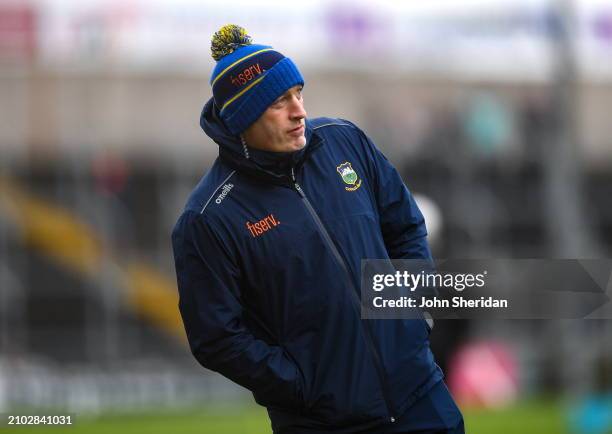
(248, 77)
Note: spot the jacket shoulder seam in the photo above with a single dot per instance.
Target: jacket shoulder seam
(332, 124)
(217, 189)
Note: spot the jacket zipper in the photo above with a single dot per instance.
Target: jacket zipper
(355, 297)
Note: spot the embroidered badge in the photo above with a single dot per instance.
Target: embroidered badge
(349, 176)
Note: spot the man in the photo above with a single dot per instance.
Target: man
(268, 253)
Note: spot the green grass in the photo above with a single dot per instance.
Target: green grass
(543, 417)
(539, 417)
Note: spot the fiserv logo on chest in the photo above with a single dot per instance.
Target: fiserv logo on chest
(262, 226)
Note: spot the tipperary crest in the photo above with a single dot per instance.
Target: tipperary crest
(349, 176)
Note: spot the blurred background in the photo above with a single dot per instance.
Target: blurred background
(498, 115)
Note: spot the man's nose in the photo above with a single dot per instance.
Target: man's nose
(297, 108)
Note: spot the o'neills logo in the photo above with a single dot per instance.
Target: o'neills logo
(224, 191)
(262, 226)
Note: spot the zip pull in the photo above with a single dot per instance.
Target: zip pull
(295, 184)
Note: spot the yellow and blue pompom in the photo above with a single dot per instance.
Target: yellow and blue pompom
(227, 40)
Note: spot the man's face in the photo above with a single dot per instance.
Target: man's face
(281, 127)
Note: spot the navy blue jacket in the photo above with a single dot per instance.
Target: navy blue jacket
(268, 253)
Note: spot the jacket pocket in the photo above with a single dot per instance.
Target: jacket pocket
(300, 395)
(300, 390)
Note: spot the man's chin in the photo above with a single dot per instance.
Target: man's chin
(296, 144)
(299, 143)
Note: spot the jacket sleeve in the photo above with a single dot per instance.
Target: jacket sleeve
(210, 305)
(401, 221)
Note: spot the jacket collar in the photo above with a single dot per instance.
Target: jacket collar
(267, 166)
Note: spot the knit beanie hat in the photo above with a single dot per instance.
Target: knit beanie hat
(248, 77)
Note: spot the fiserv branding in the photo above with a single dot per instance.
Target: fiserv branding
(246, 75)
(237, 78)
(262, 226)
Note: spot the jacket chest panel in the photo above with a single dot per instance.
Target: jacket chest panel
(337, 185)
(272, 228)
(281, 246)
